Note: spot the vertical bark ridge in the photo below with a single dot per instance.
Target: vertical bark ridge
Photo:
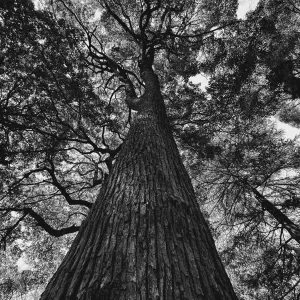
(145, 237)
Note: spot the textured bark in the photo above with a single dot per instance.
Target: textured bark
(145, 237)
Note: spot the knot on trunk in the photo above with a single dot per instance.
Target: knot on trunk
(133, 103)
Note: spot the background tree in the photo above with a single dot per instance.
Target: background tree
(252, 180)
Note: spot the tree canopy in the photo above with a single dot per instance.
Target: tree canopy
(66, 71)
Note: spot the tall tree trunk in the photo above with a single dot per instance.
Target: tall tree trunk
(145, 237)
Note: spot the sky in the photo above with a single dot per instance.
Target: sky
(245, 6)
(289, 132)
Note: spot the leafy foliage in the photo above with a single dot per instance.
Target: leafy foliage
(63, 119)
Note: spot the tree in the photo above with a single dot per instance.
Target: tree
(145, 236)
(252, 192)
(64, 121)
(147, 212)
(144, 231)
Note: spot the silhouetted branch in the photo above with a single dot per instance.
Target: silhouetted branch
(63, 190)
(40, 221)
(48, 228)
(287, 223)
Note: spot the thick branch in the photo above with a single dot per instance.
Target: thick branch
(64, 191)
(48, 228)
(40, 222)
(287, 223)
